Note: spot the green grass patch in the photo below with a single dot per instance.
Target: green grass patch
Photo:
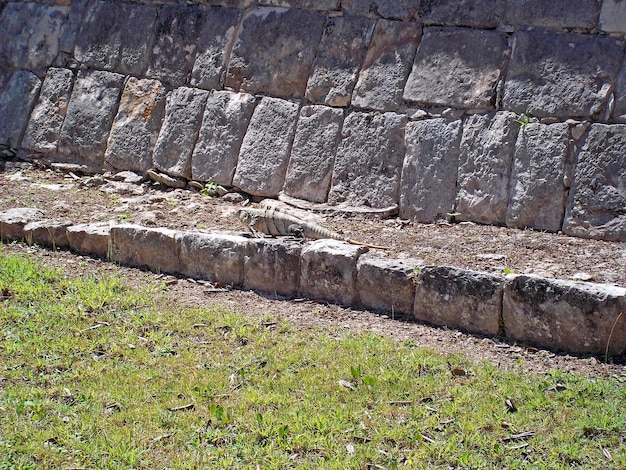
(94, 374)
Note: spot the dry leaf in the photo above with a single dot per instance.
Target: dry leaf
(350, 449)
(346, 384)
(510, 405)
(458, 372)
(607, 454)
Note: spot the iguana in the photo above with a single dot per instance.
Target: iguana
(276, 223)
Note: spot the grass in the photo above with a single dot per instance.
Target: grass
(94, 374)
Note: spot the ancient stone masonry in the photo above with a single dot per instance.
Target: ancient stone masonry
(507, 112)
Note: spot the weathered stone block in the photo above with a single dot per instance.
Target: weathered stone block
(459, 298)
(613, 16)
(48, 232)
(224, 124)
(16, 102)
(89, 117)
(272, 266)
(274, 51)
(313, 153)
(457, 67)
(487, 150)
(473, 13)
(398, 9)
(44, 128)
(320, 5)
(596, 207)
(183, 115)
(387, 65)
(561, 74)
(265, 149)
(553, 14)
(429, 172)
(537, 191)
(136, 126)
(369, 160)
(619, 112)
(565, 315)
(329, 271)
(156, 249)
(13, 221)
(339, 57)
(90, 239)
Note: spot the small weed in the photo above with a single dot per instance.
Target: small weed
(126, 217)
(209, 189)
(524, 119)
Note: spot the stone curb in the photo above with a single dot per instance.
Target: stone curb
(575, 317)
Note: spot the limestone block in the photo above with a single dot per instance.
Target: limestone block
(71, 28)
(619, 112)
(29, 34)
(183, 115)
(597, 199)
(553, 14)
(274, 51)
(386, 285)
(90, 239)
(313, 153)
(329, 271)
(224, 124)
(44, 128)
(387, 65)
(398, 9)
(339, 57)
(136, 126)
(369, 160)
(429, 172)
(16, 102)
(209, 68)
(487, 150)
(89, 117)
(457, 67)
(240, 4)
(215, 257)
(156, 249)
(537, 191)
(320, 5)
(116, 36)
(13, 221)
(265, 149)
(473, 13)
(613, 16)
(48, 232)
(459, 298)
(272, 266)
(565, 315)
(561, 74)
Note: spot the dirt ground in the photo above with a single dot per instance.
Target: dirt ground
(84, 198)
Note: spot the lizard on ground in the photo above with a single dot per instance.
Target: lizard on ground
(276, 223)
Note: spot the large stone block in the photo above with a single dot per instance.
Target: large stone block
(397, 9)
(329, 271)
(369, 160)
(90, 239)
(183, 116)
(487, 151)
(619, 112)
(136, 126)
(613, 16)
(473, 13)
(48, 232)
(313, 153)
(224, 124)
(596, 207)
(459, 298)
(272, 266)
(339, 58)
(13, 221)
(116, 36)
(320, 5)
(561, 74)
(457, 67)
(265, 148)
(387, 65)
(429, 172)
(565, 315)
(553, 14)
(16, 102)
(274, 51)
(44, 128)
(538, 192)
(89, 117)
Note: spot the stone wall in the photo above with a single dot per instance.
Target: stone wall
(507, 112)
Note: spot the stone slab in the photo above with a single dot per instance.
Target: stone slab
(16, 102)
(272, 266)
(183, 116)
(596, 207)
(538, 193)
(13, 221)
(457, 67)
(459, 298)
(561, 74)
(613, 17)
(486, 158)
(472, 13)
(313, 153)
(429, 172)
(397, 9)
(320, 5)
(136, 126)
(619, 112)
(387, 65)
(90, 239)
(339, 57)
(224, 125)
(274, 51)
(565, 315)
(265, 149)
(369, 160)
(48, 232)
(554, 14)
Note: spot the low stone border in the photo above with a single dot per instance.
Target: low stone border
(576, 317)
